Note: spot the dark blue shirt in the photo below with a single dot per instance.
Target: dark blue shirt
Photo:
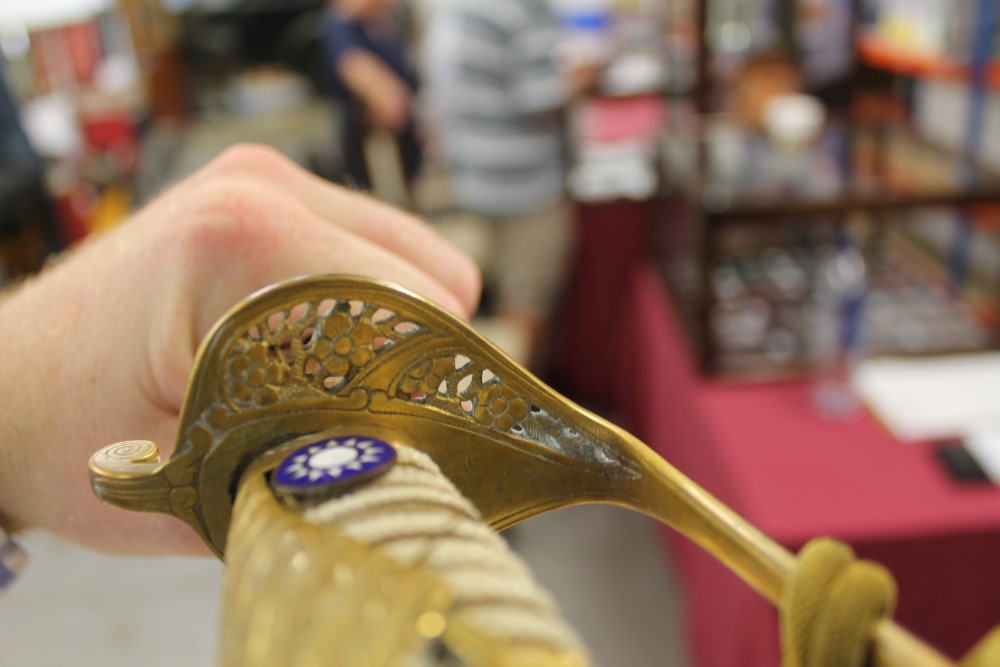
(15, 149)
(342, 35)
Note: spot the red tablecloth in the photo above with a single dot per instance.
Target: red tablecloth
(762, 450)
(609, 239)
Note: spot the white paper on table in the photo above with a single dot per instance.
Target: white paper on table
(983, 442)
(927, 398)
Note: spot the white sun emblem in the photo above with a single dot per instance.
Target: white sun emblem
(333, 458)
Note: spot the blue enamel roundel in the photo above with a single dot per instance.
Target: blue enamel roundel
(333, 462)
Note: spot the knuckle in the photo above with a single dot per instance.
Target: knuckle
(225, 215)
(255, 158)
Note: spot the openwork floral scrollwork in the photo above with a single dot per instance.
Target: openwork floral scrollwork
(499, 407)
(320, 345)
(345, 344)
(255, 375)
(458, 384)
(426, 378)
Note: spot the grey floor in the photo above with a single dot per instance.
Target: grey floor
(605, 567)
(608, 570)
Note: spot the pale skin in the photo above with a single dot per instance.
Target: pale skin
(100, 347)
(384, 95)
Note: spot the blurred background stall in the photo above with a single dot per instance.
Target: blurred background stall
(765, 236)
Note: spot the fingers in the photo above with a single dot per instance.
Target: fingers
(235, 240)
(400, 233)
(251, 219)
(115, 531)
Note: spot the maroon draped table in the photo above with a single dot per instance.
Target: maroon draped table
(609, 239)
(764, 452)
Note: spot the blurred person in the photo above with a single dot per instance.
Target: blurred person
(101, 345)
(499, 97)
(28, 222)
(366, 45)
(15, 148)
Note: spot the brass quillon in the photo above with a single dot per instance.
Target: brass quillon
(342, 355)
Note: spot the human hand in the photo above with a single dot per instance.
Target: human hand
(385, 96)
(389, 106)
(101, 346)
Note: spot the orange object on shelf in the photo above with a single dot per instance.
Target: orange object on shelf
(876, 51)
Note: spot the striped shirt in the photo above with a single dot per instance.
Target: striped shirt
(499, 97)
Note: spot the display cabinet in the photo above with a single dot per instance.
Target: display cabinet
(753, 225)
(745, 237)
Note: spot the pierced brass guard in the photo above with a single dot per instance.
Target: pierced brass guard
(337, 353)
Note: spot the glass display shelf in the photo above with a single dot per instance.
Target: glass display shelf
(749, 224)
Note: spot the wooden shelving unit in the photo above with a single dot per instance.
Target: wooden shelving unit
(874, 51)
(725, 218)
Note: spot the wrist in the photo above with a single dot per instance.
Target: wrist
(12, 416)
